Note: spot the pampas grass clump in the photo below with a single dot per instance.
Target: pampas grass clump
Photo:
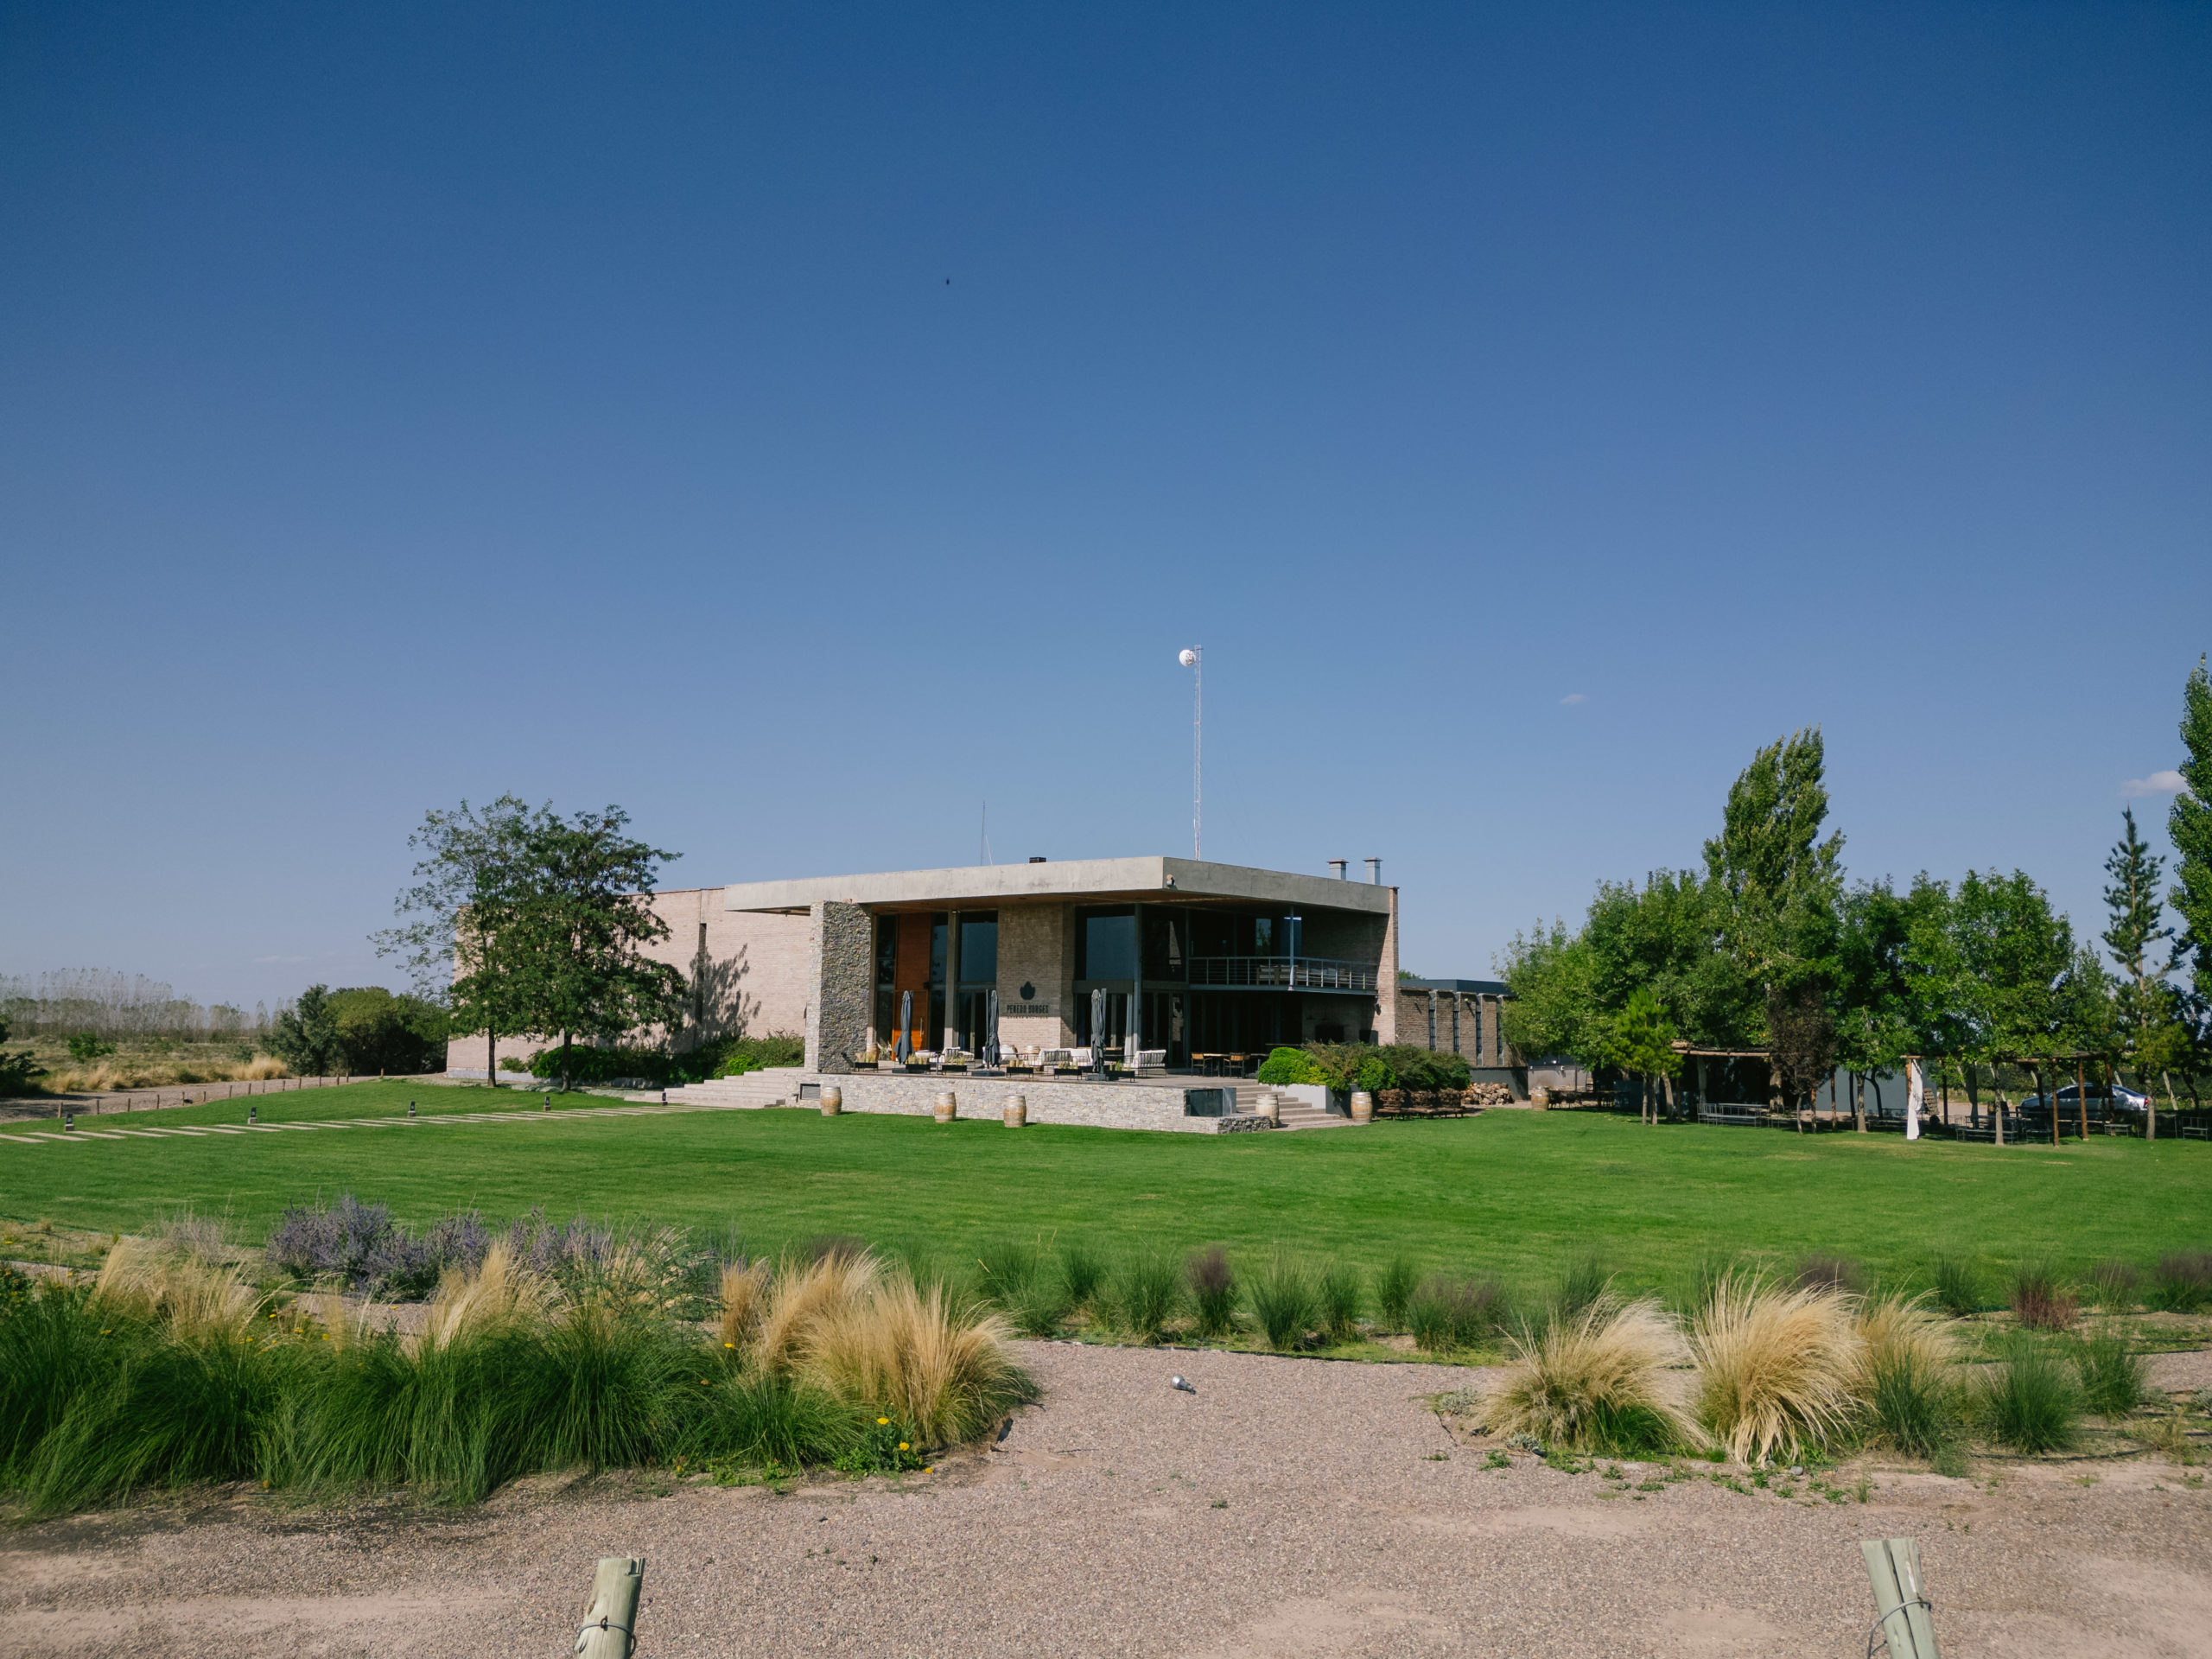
(1593, 1382)
(1778, 1369)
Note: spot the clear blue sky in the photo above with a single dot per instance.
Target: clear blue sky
(801, 424)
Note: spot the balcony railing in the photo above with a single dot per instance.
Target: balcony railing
(1283, 973)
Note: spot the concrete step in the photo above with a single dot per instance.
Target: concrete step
(766, 1088)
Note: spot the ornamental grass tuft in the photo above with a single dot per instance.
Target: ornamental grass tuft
(2041, 1300)
(1213, 1290)
(1282, 1300)
(1777, 1368)
(1909, 1380)
(1336, 1298)
(2115, 1379)
(2182, 1283)
(1394, 1290)
(1147, 1291)
(2029, 1400)
(1958, 1286)
(1449, 1315)
(2115, 1286)
(1593, 1382)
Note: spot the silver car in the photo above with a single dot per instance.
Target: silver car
(2121, 1098)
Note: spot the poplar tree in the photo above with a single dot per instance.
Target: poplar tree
(2188, 824)
(2134, 928)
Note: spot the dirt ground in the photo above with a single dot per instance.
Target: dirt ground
(1287, 1507)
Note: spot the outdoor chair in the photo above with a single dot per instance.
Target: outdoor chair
(1083, 1058)
(1151, 1062)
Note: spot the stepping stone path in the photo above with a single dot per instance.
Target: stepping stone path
(567, 1114)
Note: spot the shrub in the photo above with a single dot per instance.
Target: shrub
(2113, 1285)
(2040, 1301)
(1289, 1066)
(2115, 1379)
(1591, 1383)
(1282, 1301)
(1776, 1368)
(1414, 1067)
(1336, 1293)
(1394, 1290)
(1213, 1290)
(1452, 1314)
(86, 1047)
(2182, 1283)
(2028, 1402)
(1958, 1286)
(1831, 1273)
(1147, 1287)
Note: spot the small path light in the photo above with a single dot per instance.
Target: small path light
(253, 1115)
(411, 1109)
(548, 1106)
(68, 1121)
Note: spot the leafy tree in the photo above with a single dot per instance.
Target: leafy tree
(1551, 1007)
(2017, 955)
(581, 913)
(458, 935)
(19, 1072)
(87, 1046)
(1642, 1043)
(306, 1035)
(1801, 1036)
(1874, 987)
(2188, 824)
(379, 1032)
(1779, 878)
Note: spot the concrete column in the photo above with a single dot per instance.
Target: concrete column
(1134, 1026)
(1386, 979)
(951, 981)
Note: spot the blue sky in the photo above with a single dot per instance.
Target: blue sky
(801, 425)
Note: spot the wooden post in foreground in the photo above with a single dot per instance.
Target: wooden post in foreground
(610, 1621)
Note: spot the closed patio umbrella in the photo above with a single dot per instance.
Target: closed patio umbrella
(1098, 1030)
(906, 1026)
(990, 1027)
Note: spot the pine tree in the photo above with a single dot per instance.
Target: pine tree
(2134, 929)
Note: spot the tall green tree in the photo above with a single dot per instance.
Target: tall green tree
(2134, 928)
(1777, 883)
(583, 918)
(2017, 953)
(1552, 1009)
(2188, 824)
(306, 1035)
(1641, 1042)
(1874, 991)
(460, 936)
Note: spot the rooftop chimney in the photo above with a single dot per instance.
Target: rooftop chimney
(1373, 870)
(1337, 868)
(1036, 860)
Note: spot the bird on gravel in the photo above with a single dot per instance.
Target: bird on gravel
(1178, 1382)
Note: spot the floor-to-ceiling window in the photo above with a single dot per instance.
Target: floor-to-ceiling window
(979, 975)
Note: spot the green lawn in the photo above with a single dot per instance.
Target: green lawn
(1510, 1193)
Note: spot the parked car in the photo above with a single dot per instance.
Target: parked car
(2122, 1099)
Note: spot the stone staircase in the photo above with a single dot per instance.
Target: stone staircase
(776, 1085)
(1291, 1112)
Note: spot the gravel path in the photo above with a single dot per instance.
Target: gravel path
(1287, 1508)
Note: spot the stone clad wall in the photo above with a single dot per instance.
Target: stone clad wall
(1094, 1105)
(1035, 949)
(844, 986)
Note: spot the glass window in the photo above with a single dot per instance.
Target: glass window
(979, 950)
(1106, 946)
(1263, 936)
(937, 949)
(886, 951)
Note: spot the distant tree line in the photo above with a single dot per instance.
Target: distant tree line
(115, 1006)
(1768, 946)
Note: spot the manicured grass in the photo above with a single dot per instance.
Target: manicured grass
(1514, 1195)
